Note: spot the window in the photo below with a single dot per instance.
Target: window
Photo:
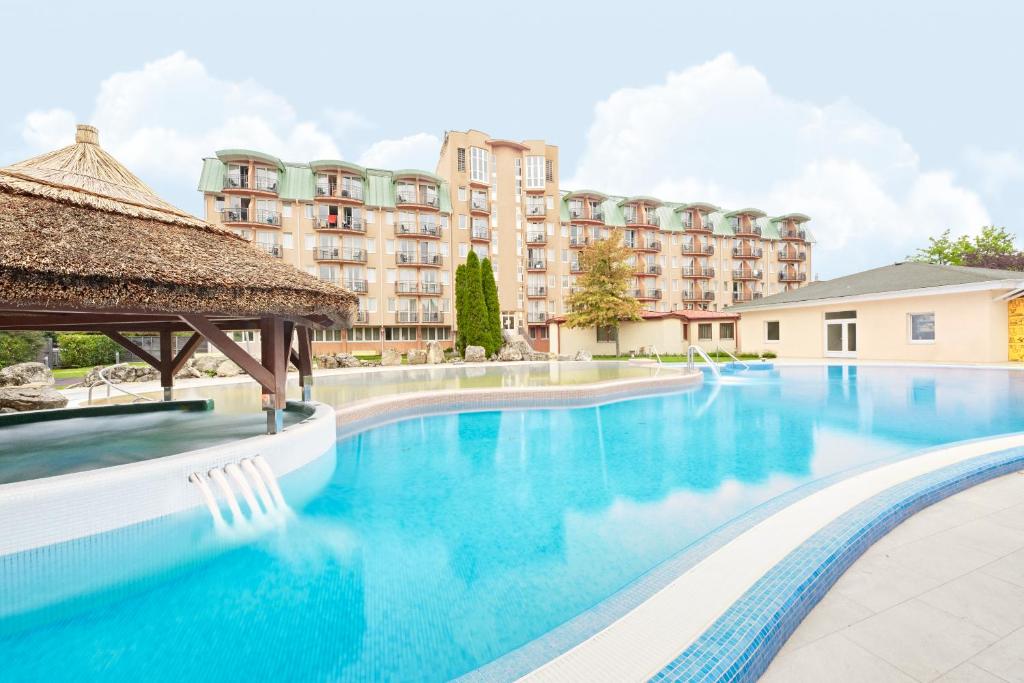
(534, 173)
(400, 333)
(704, 332)
(461, 156)
(771, 331)
(462, 193)
(549, 170)
(921, 327)
(607, 333)
(364, 334)
(726, 331)
(478, 170)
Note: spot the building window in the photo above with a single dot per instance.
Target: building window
(462, 193)
(549, 170)
(726, 330)
(922, 328)
(771, 331)
(704, 332)
(607, 333)
(478, 169)
(534, 173)
(539, 332)
(461, 155)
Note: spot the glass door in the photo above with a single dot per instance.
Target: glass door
(841, 334)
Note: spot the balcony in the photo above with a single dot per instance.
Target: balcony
(326, 190)
(647, 294)
(536, 264)
(536, 211)
(407, 317)
(540, 291)
(537, 317)
(746, 230)
(265, 217)
(742, 274)
(407, 287)
(353, 192)
(697, 249)
(236, 181)
(792, 277)
(358, 286)
(536, 238)
(744, 297)
(480, 235)
(698, 226)
(747, 252)
(430, 230)
(337, 222)
(272, 249)
(578, 241)
(414, 259)
(433, 288)
(362, 317)
(697, 296)
(792, 255)
(480, 204)
(575, 267)
(433, 316)
(350, 254)
(429, 199)
(793, 234)
(698, 271)
(265, 184)
(648, 269)
(584, 215)
(234, 215)
(648, 245)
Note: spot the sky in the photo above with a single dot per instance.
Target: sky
(886, 122)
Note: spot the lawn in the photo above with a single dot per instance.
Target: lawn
(79, 373)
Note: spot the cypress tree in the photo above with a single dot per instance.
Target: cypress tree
(460, 306)
(474, 312)
(490, 291)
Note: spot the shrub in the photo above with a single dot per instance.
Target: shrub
(769, 354)
(20, 347)
(83, 350)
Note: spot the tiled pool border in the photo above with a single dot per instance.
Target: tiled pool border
(742, 642)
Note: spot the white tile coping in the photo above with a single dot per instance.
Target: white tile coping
(640, 643)
(42, 512)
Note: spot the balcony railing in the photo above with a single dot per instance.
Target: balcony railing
(421, 198)
(433, 316)
(579, 241)
(747, 230)
(694, 248)
(481, 234)
(650, 245)
(430, 229)
(747, 252)
(425, 229)
(648, 269)
(412, 258)
(272, 249)
(268, 217)
(352, 192)
(264, 184)
(575, 267)
(793, 234)
(431, 288)
(362, 316)
(234, 215)
(536, 210)
(742, 297)
(326, 189)
(646, 294)
(479, 204)
(537, 317)
(337, 222)
(407, 287)
(236, 181)
(407, 316)
(354, 254)
(536, 291)
(792, 255)
(536, 264)
(536, 238)
(792, 277)
(698, 271)
(740, 274)
(360, 286)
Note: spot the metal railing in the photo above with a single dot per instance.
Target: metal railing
(430, 229)
(481, 234)
(536, 210)
(575, 267)
(479, 204)
(792, 277)
(578, 241)
(740, 274)
(536, 291)
(407, 316)
(431, 287)
(272, 249)
(707, 359)
(537, 317)
(234, 214)
(419, 259)
(352, 191)
(536, 264)
(110, 385)
(719, 351)
(433, 316)
(793, 234)
(751, 252)
(268, 217)
(265, 184)
(362, 316)
(360, 286)
(536, 238)
(749, 230)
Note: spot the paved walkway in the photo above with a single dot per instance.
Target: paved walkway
(939, 598)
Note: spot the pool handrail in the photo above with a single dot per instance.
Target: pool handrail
(719, 350)
(105, 380)
(703, 354)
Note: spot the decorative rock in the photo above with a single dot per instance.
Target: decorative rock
(583, 355)
(21, 374)
(390, 357)
(475, 354)
(31, 398)
(347, 360)
(228, 369)
(208, 363)
(4, 411)
(435, 354)
(537, 355)
(509, 353)
(417, 357)
(327, 362)
(564, 356)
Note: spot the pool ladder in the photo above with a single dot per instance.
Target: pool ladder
(694, 349)
(249, 481)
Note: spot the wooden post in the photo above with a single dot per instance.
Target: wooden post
(305, 363)
(272, 357)
(167, 363)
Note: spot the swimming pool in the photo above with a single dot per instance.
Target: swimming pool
(444, 542)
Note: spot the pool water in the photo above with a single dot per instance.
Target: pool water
(444, 542)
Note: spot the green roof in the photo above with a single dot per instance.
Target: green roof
(756, 213)
(337, 163)
(798, 217)
(906, 276)
(380, 190)
(418, 173)
(641, 198)
(575, 194)
(212, 177)
(232, 154)
(296, 183)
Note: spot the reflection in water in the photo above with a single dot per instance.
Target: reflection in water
(444, 542)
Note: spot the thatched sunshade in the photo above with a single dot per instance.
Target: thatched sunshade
(85, 244)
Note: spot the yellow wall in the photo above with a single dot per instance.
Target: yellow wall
(665, 335)
(1016, 329)
(969, 327)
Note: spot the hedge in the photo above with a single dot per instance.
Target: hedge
(20, 347)
(83, 350)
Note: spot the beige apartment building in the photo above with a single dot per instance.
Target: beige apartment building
(396, 237)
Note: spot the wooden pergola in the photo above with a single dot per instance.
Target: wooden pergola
(86, 246)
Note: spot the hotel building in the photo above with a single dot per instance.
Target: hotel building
(396, 237)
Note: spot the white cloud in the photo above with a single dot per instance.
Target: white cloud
(996, 169)
(718, 132)
(413, 151)
(49, 129)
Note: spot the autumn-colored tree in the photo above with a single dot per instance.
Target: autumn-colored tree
(602, 297)
(490, 290)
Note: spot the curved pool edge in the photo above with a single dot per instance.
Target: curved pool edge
(375, 412)
(684, 631)
(42, 512)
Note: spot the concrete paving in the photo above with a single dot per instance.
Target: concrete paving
(940, 598)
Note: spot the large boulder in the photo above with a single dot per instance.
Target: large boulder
(347, 360)
(584, 355)
(475, 354)
(188, 371)
(31, 398)
(228, 368)
(509, 353)
(327, 362)
(435, 354)
(390, 357)
(518, 342)
(207, 364)
(538, 355)
(417, 357)
(21, 374)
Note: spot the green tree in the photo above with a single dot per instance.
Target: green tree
(460, 307)
(992, 241)
(474, 310)
(602, 297)
(490, 291)
(82, 350)
(20, 347)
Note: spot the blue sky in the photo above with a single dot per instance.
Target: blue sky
(887, 122)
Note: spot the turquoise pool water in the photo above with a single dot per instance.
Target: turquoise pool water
(442, 543)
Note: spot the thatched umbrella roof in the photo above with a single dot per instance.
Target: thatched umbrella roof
(78, 231)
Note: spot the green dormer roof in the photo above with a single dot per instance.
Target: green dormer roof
(240, 154)
(798, 217)
(322, 164)
(409, 172)
(580, 194)
(754, 213)
(641, 199)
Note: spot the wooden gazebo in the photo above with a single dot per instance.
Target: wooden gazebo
(85, 245)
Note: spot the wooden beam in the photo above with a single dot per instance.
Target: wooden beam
(166, 359)
(133, 347)
(273, 358)
(304, 362)
(186, 352)
(229, 348)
